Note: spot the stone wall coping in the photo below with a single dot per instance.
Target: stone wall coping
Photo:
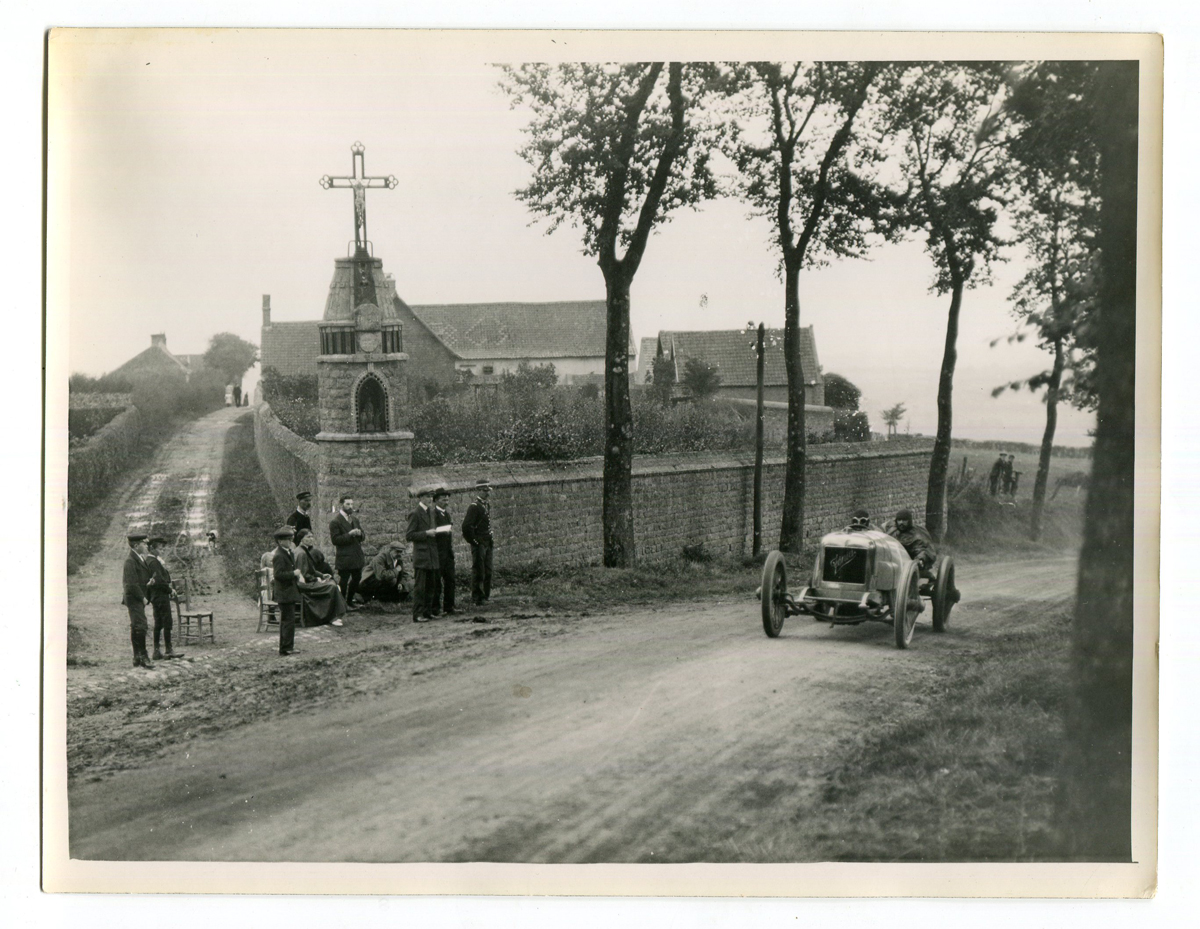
(362, 436)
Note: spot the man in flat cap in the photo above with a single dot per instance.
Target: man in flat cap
(299, 519)
(161, 594)
(134, 579)
(477, 530)
(443, 593)
(287, 593)
(422, 532)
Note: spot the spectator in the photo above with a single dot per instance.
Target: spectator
(161, 594)
(287, 593)
(385, 578)
(477, 531)
(422, 531)
(299, 518)
(346, 533)
(995, 474)
(443, 591)
(134, 578)
(323, 601)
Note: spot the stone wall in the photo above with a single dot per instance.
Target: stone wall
(288, 462)
(549, 513)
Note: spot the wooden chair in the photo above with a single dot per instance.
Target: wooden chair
(191, 624)
(268, 608)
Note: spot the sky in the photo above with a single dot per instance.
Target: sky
(187, 166)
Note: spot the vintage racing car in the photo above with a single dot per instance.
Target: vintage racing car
(860, 575)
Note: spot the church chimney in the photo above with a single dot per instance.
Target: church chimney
(159, 340)
(266, 310)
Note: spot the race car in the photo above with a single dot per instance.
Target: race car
(860, 575)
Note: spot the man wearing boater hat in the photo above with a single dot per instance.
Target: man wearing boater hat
(299, 519)
(134, 579)
(161, 593)
(477, 530)
(287, 594)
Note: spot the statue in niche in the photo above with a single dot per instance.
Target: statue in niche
(372, 407)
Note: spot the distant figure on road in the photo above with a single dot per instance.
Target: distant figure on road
(299, 518)
(385, 578)
(994, 476)
(346, 533)
(134, 578)
(1006, 476)
(422, 532)
(161, 594)
(323, 601)
(443, 593)
(477, 531)
(237, 394)
(287, 591)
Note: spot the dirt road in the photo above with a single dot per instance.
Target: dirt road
(660, 735)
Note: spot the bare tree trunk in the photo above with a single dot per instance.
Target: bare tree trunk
(1100, 720)
(617, 507)
(939, 466)
(791, 533)
(1043, 471)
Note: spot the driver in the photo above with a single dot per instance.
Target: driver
(861, 522)
(916, 541)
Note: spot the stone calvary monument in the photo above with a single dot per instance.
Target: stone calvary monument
(361, 379)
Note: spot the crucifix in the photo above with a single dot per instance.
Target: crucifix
(359, 182)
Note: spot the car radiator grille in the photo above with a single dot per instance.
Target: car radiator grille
(845, 565)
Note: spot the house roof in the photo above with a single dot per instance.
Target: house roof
(291, 348)
(572, 329)
(647, 350)
(732, 353)
(157, 358)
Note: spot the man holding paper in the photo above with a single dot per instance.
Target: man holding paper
(443, 593)
(422, 532)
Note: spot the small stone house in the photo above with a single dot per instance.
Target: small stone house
(158, 360)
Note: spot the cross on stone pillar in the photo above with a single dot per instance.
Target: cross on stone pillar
(359, 182)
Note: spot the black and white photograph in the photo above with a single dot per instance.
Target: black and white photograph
(642, 451)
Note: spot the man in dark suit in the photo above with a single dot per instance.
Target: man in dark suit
(134, 578)
(995, 474)
(422, 532)
(299, 519)
(161, 594)
(443, 592)
(477, 530)
(287, 593)
(346, 533)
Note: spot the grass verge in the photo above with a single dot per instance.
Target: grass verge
(968, 765)
(245, 506)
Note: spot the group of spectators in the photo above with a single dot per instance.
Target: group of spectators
(303, 577)
(1002, 479)
(145, 579)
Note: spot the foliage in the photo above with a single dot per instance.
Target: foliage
(93, 467)
(840, 393)
(701, 378)
(954, 131)
(166, 396)
(529, 378)
(105, 384)
(277, 386)
(851, 426)
(661, 379)
(86, 422)
(893, 416)
(232, 355)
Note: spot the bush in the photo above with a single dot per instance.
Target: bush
(105, 384)
(295, 387)
(82, 423)
(851, 427)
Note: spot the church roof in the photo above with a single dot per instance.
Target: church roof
(571, 329)
(731, 352)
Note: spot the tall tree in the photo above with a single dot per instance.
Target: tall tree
(232, 355)
(950, 119)
(1100, 718)
(892, 417)
(840, 393)
(799, 166)
(1056, 216)
(614, 151)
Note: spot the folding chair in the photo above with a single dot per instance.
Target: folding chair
(191, 623)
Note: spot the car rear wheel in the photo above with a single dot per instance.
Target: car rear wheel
(906, 605)
(774, 594)
(943, 594)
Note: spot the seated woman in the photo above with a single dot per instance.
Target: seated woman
(384, 577)
(323, 601)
